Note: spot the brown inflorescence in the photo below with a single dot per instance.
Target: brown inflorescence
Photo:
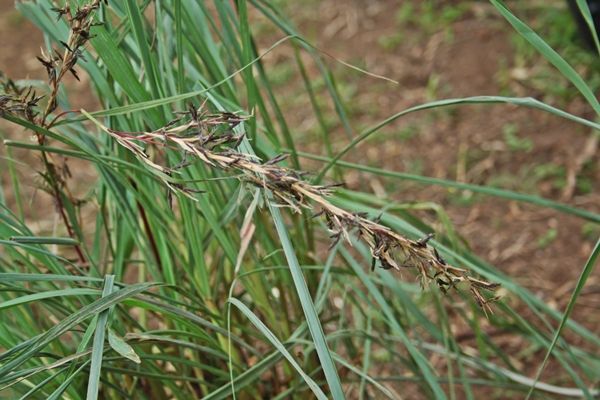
(210, 138)
(24, 103)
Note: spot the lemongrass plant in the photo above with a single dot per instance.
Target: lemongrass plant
(199, 266)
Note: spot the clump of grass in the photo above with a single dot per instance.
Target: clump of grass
(176, 340)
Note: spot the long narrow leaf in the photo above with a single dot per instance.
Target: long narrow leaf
(519, 101)
(585, 274)
(278, 345)
(98, 345)
(549, 54)
(312, 319)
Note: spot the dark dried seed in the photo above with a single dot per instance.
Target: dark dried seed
(72, 71)
(66, 46)
(438, 257)
(423, 241)
(318, 214)
(277, 159)
(378, 218)
(385, 264)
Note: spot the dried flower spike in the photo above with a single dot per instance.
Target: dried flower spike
(210, 138)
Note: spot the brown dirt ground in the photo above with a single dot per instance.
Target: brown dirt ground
(465, 143)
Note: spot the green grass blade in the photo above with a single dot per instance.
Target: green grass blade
(61, 241)
(72, 320)
(487, 190)
(16, 186)
(58, 393)
(137, 26)
(16, 277)
(585, 274)
(278, 345)
(47, 295)
(519, 101)
(587, 16)
(549, 54)
(312, 319)
(386, 392)
(247, 378)
(387, 309)
(98, 343)
(40, 385)
(122, 347)
(179, 46)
